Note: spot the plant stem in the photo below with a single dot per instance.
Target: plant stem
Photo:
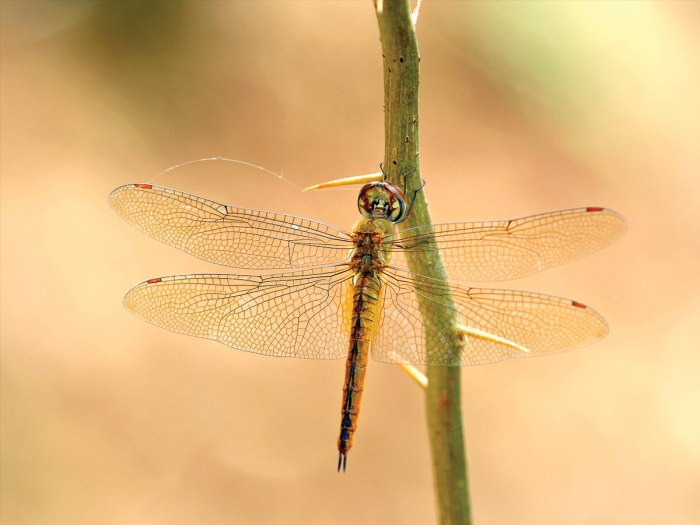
(443, 394)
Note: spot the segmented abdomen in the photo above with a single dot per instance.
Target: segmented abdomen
(366, 293)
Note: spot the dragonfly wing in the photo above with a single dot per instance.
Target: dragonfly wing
(301, 314)
(495, 324)
(238, 237)
(495, 251)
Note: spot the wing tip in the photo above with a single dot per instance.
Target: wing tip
(610, 213)
(126, 187)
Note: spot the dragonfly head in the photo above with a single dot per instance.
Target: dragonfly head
(382, 200)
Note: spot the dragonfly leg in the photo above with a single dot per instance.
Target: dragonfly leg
(413, 199)
(405, 177)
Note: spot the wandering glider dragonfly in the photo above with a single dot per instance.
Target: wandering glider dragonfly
(351, 294)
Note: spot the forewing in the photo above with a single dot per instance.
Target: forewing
(496, 324)
(238, 237)
(301, 314)
(494, 251)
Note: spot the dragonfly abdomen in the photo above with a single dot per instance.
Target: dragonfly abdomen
(366, 292)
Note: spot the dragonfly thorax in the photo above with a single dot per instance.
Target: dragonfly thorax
(370, 237)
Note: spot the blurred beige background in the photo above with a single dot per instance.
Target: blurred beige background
(525, 108)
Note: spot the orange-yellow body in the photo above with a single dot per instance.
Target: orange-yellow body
(369, 257)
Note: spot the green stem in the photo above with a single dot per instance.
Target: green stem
(443, 394)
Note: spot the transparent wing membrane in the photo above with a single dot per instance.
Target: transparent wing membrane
(495, 251)
(308, 315)
(301, 314)
(238, 237)
(307, 312)
(496, 324)
(261, 240)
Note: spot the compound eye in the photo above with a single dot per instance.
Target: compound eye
(365, 200)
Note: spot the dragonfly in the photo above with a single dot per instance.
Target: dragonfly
(315, 291)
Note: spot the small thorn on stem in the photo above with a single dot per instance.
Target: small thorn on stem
(358, 179)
